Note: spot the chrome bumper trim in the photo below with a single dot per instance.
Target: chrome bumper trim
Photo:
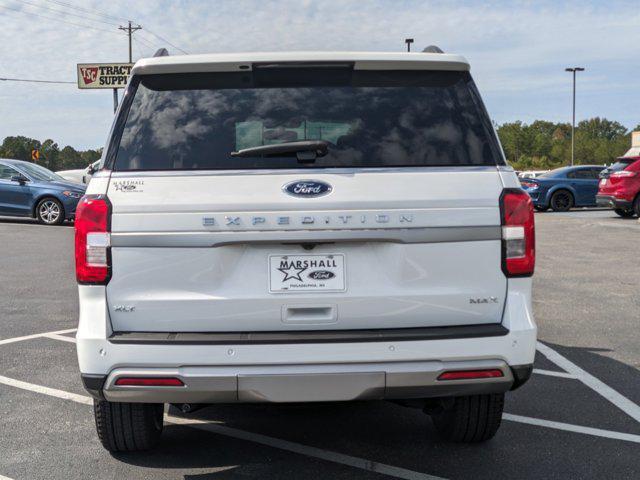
(307, 383)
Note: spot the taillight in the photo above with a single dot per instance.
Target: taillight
(471, 374)
(529, 185)
(93, 240)
(518, 233)
(624, 173)
(150, 382)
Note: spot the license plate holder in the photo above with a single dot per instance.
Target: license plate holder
(307, 273)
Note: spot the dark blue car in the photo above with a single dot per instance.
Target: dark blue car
(29, 190)
(564, 188)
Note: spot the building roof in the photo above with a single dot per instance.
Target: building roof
(234, 62)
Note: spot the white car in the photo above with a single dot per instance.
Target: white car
(531, 173)
(80, 175)
(303, 227)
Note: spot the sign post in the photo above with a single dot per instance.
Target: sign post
(104, 75)
(115, 100)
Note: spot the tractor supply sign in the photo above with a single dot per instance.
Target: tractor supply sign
(103, 75)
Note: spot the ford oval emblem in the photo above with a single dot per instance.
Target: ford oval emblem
(322, 275)
(307, 188)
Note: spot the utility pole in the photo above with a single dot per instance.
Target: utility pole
(408, 41)
(129, 29)
(573, 122)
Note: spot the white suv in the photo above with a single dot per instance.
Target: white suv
(303, 227)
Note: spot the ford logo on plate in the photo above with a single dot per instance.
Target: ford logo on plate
(321, 275)
(307, 188)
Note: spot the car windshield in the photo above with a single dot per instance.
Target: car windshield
(39, 173)
(361, 119)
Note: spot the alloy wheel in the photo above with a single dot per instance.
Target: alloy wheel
(49, 211)
(562, 201)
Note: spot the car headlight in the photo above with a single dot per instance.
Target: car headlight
(68, 193)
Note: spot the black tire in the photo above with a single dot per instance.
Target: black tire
(540, 208)
(471, 419)
(561, 201)
(128, 427)
(636, 205)
(50, 211)
(624, 213)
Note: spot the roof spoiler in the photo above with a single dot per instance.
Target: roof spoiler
(432, 49)
(161, 52)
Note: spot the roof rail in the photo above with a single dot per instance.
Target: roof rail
(161, 52)
(432, 49)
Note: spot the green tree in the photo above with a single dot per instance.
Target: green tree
(19, 148)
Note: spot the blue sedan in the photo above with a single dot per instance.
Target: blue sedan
(564, 188)
(30, 190)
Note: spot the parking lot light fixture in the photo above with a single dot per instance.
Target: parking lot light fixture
(408, 41)
(573, 122)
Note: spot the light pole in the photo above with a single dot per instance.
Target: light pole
(408, 41)
(573, 122)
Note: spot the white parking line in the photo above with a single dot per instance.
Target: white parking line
(551, 373)
(620, 401)
(2, 477)
(303, 449)
(56, 336)
(242, 435)
(52, 392)
(35, 335)
(629, 437)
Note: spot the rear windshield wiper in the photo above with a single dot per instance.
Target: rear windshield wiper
(306, 150)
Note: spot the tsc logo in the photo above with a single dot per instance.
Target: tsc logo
(89, 74)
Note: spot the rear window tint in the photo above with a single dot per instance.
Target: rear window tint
(620, 164)
(368, 118)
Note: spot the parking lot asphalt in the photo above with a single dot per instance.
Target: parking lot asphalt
(578, 417)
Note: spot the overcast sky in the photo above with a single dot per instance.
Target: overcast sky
(517, 51)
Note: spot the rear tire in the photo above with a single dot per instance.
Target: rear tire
(470, 419)
(561, 201)
(128, 427)
(636, 205)
(624, 213)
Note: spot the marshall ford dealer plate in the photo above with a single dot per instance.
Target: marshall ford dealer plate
(306, 273)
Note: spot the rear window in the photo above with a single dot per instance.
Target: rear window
(367, 119)
(621, 164)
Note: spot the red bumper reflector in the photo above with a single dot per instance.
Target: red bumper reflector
(471, 374)
(149, 382)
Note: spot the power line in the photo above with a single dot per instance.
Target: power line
(32, 80)
(84, 17)
(165, 40)
(97, 13)
(66, 13)
(59, 20)
(140, 41)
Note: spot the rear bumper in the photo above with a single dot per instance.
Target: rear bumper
(538, 198)
(306, 383)
(312, 369)
(612, 202)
